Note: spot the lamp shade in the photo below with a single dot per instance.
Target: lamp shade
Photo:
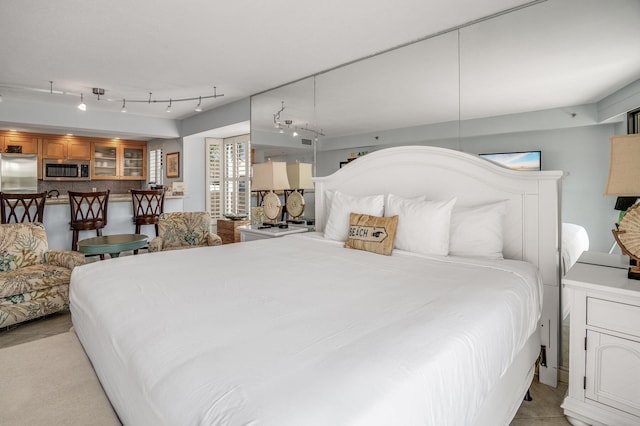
(299, 175)
(270, 176)
(624, 166)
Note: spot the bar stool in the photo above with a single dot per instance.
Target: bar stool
(88, 212)
(19, 208)
(147, 206)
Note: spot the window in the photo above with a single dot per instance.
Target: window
(228, 176)
(155, 166)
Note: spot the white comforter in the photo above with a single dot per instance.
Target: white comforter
(301, 331)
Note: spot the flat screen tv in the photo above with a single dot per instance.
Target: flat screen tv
(528, 160)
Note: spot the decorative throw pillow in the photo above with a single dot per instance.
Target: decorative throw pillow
(342, 205)
(423, 226)
(477, 231)
(372, 233)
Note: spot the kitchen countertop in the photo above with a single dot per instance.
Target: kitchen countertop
(113, 198)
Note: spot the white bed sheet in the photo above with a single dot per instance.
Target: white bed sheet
(300, 330)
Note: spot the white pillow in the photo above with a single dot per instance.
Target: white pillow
(478, 231)
(423, 226)
(342, 205)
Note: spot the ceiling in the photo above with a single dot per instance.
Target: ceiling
(185, 49)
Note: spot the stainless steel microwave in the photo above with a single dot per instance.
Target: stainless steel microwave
(66, 169)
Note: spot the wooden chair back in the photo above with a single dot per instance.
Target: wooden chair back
(20, 208)
(88, 211)
(147, 206)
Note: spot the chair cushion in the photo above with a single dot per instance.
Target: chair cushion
(183, 229)
(26, 306)
(33, 278)
(21, 245)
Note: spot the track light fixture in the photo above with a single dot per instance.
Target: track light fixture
(99, 92)
(82, 106)
(278, 124)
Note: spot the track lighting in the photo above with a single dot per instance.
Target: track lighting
(82, 106)
(100, 92)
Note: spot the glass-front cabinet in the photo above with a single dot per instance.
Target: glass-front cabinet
(119, 160)
(134, 162)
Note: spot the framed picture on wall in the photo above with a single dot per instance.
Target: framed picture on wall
(173, 164)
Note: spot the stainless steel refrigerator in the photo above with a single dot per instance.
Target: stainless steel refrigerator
(18, 173)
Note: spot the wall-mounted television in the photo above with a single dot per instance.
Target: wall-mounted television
(527, 160)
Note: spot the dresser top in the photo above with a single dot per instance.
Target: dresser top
(612, 279)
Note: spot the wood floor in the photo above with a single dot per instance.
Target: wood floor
(544, 410)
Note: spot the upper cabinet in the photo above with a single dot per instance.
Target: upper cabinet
(65, 148)
(122, 160)
(23, 144)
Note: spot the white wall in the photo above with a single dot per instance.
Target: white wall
(196, 129)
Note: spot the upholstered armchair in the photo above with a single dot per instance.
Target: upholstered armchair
(34, 281)
(182, 230)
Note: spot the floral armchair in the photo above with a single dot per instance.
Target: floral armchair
(34, 281)
(181, 230)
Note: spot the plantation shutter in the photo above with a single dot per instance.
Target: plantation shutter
(228, 176)
(155, 166)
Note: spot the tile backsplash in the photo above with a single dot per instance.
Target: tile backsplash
(116, 186)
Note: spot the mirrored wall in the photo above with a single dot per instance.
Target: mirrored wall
(498, 85)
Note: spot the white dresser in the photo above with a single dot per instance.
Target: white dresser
(604, 346)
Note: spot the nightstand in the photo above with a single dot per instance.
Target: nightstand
(228, 230)
(604, 346)
(253, 232)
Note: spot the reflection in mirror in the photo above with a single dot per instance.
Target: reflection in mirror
(279, 113)
(556, 77)
(385, 99)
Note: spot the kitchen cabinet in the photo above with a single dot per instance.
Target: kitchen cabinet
(23, 144)
(116, 160)
(604, 346)
(134, 161)
(66, 149)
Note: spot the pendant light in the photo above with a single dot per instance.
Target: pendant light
(82, 106)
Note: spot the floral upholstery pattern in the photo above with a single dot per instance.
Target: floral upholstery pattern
(180, 230)
(34, 281)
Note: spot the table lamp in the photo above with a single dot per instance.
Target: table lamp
(624, 181)
(268, 177)
(299, 179)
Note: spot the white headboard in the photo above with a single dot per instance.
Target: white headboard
(532, 221)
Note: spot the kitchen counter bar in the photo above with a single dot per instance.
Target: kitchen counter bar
(119, 218)
(113, 198)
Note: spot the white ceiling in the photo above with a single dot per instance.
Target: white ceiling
(183, 49)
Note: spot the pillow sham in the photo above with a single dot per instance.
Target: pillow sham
(478, 231)
(337, 226)
(372, 233)
(423, 226)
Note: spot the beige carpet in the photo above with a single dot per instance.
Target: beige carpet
(50, 381)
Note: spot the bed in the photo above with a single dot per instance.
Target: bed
(301, 330)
